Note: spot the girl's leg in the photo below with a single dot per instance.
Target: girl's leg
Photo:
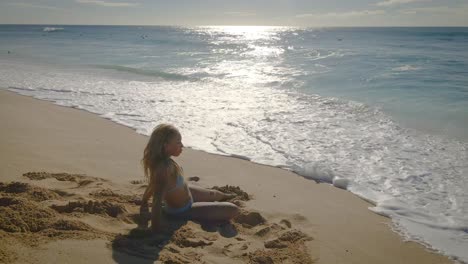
(211, 211)
(200, 194)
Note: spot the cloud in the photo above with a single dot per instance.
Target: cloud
(436, 10)
(28, 5)
(106, 3)
(348, 14)
(240, 14)
(398, 2)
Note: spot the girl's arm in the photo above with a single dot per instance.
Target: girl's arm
(144, 210)
(160, 188)
(148, 192)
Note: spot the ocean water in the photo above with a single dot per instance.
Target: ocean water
(381, 112)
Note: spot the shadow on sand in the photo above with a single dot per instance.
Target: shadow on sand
(141, 246)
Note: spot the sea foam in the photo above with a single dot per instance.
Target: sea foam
(52, 29)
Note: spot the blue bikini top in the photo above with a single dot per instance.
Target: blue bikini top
(179, 183)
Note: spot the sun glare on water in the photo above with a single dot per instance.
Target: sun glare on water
(247, 32)
(250, 54)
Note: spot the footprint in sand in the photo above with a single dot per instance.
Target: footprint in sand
(249, 219)
(280, 244)
(287, 247)
(185, 237)
(286, 223)
(286, 239)
(263, 231)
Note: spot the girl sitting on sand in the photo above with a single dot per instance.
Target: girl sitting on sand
(166, 183)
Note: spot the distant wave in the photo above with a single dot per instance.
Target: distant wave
(324, 54)
(51, 29)
(406, 68)
(20, 88)
(153, 73)
(56, 90)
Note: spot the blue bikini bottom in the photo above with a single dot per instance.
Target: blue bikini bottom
(176, 211)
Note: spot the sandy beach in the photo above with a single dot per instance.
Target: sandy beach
(71, 183)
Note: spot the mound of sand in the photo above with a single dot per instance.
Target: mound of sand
(33, 215)
(28, 191)
(92, 207)
(110, 195)
(189, 242)
(21, 215)
(25, 219)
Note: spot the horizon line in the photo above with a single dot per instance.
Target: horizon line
(226, 25)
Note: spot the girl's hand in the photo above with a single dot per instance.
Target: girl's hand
(160, 227)
(144, 211)
(144, 216)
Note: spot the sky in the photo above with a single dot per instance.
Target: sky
(304, 13)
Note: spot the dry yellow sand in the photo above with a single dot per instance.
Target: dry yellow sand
(304, 221)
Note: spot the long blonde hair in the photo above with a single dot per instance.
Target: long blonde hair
(154, 154)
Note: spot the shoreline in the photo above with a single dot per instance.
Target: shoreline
(41, 136)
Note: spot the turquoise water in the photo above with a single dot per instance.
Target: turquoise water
(417, 75)
(382, 112)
